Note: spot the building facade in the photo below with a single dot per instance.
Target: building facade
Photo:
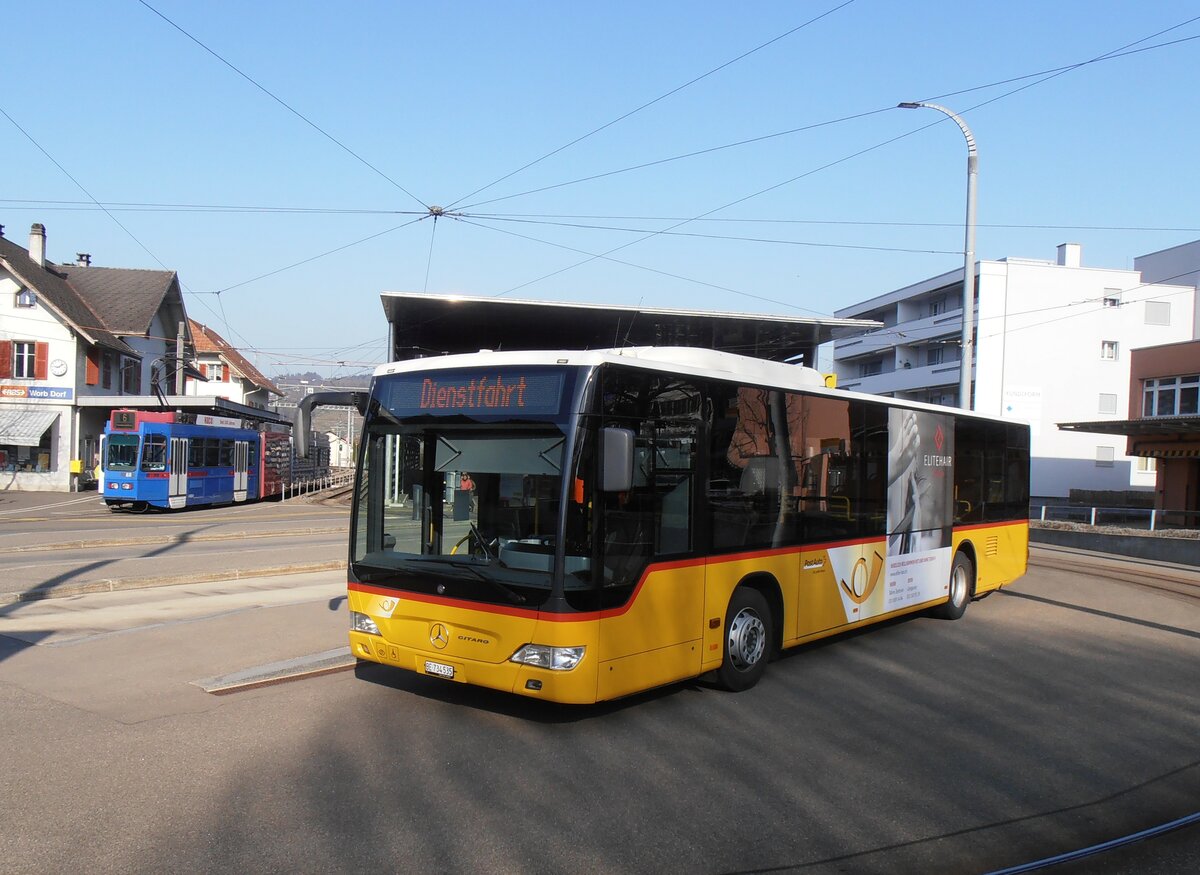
(1164, 391)
(227, 373)
(1052, 344)
(74, 341)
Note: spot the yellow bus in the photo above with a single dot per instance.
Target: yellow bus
(579, 526)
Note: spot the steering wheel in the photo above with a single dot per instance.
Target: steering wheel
(476, 543)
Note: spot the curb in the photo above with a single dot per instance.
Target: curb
(128, 583)
(170, 539)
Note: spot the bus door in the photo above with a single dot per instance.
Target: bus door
(177, 494)
(241, 463)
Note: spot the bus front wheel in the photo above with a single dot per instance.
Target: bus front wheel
(748, 639)
(962, 585)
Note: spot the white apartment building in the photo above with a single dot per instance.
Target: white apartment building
(1052, 342)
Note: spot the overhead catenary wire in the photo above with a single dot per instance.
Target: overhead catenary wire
(658, 99)
(320, 130)
(607, 257)
(183, 287)
(833, 163)
(721, 236)
(1047, 74)
(119, 206)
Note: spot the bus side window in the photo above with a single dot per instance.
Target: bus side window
(824, 453)
(747, 488)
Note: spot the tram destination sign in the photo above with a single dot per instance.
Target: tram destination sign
(492, 391)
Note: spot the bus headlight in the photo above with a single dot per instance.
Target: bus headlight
(362, 623)
(553, 658)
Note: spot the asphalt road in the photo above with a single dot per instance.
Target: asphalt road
(60, 545)
(1056, 715)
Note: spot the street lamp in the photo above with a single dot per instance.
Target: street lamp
(968, 323)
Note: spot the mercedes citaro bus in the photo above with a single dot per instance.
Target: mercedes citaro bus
(579, 526)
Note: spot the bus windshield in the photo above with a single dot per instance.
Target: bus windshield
(122, 452)
(461, 506)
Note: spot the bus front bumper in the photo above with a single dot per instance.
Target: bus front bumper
(575, 686)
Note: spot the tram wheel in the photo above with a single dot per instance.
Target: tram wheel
(748, 639)
(962, 586)
(139, 507)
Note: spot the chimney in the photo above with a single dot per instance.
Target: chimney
(83, 259)
(1070, 254)
(37, 244)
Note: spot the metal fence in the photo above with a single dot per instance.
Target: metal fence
(332, 480)
(1146, 518)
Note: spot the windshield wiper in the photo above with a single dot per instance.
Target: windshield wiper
(512, 595)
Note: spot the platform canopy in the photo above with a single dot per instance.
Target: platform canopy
(1149, 426)
(185, 403)
(425, 324)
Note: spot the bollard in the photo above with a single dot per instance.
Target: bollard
(1153, 515)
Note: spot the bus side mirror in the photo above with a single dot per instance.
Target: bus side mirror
(616, 447)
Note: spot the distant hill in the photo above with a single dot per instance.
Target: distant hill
(296, 386)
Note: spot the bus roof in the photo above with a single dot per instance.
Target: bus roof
(683, 360)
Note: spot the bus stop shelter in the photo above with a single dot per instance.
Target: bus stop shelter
(425, 325)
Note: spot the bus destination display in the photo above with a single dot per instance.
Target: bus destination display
(476, 392)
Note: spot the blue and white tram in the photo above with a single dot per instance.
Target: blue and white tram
(152, 459)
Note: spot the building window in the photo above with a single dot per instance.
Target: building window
(1108, 403)
(26, 298)
(1158, 312)
(1171, 396)
(871, 369)
(1105, 457)
(18, 458)
(24, 360)
(1146, 465)
(106, 370)
(937, 306)
(1112, 298)
(215, 373)
(946, 399)
(934, 355)
(1108, 350)
(131, 376)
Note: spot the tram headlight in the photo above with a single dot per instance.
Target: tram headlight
(362, 623)
(553, 658)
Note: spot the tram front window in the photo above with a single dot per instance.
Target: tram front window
(122, 452)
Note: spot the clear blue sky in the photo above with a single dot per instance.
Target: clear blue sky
(445, 98)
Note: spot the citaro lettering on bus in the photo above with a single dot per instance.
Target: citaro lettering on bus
(477, 393)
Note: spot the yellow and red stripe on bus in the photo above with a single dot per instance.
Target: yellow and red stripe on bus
(672, 626)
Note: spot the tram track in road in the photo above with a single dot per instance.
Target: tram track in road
(1163, 578)
(183, 538)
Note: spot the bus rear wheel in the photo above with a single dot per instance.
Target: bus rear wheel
(748, 637)
(962, 586)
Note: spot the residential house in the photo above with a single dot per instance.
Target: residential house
(76, 341)
(227, 373)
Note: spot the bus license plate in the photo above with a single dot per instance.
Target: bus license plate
(437, 668)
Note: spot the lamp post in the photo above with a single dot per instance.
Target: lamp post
(968, 323)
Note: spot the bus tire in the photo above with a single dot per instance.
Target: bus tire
(748, 637)
(962, 586)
